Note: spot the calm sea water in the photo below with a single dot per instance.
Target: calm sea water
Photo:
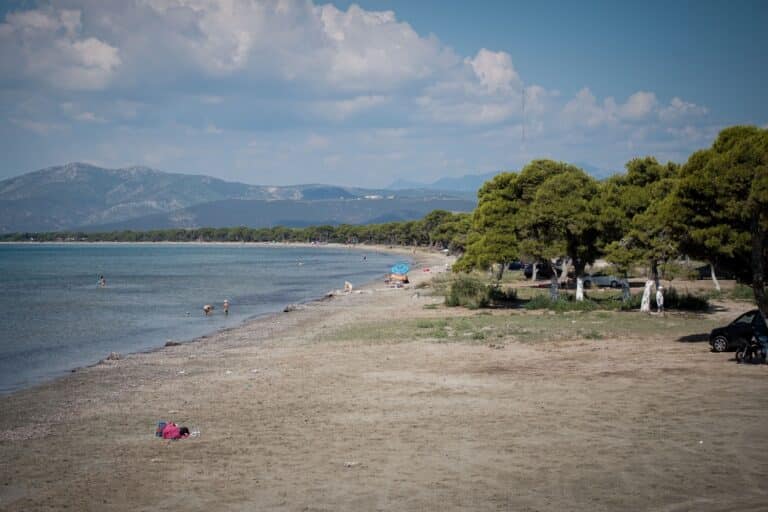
(54, 317)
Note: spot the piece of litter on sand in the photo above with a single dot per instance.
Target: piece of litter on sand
(154, 460)
(351, 464)
(228, 372)
(255, 370)
(181, 372)
(701, 442)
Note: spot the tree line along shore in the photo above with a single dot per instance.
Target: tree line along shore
(712, 208)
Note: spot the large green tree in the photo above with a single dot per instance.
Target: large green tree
(633, 218)
(492, 239)
(564, 216)
(719, 209)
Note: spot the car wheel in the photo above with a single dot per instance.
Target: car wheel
(614, 284)
(586, 283)
(720, 344)
(740, 354)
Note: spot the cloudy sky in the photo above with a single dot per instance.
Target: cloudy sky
(290, 91)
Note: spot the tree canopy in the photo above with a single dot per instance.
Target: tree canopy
(719, 208)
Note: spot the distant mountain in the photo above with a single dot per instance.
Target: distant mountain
(289, 213)
(467, 183)
(470, 183)
(595, 171)
(80, 195)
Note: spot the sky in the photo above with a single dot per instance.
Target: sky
(362, 94)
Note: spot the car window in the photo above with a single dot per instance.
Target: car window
(759, 322)
(746, 318)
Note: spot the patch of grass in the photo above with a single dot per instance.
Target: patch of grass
(742, 292)
(593, 335)
(431, 306)
(523, 327)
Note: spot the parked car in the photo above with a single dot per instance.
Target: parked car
(515, 265)
(705, 272)
(543, 270)
(737, 332)
(603, 281)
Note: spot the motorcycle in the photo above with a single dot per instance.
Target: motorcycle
(752, 351)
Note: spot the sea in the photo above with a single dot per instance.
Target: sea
(54, 315)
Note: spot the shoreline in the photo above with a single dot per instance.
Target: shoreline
(357, 403)
(256, 318)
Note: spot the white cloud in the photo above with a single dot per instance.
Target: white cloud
(343, 109)
(495, 72)
(88, 117)
(679, 109)
(638, 106)
(367, 49)
(584, 109)
(46, 45)
(39, 127)
(292, 77)
(315, 141)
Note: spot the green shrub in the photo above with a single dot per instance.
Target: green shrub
(742, 292)
(672, 300)
(562, 304)
(474, 293)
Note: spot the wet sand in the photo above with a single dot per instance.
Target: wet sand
(293, 419)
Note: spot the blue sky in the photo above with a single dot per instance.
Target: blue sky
(364, 93)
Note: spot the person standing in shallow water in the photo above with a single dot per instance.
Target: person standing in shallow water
(226, 306)
(102, 281)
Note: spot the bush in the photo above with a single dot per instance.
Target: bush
(672, 300)
(742, 292)
(467, 291)
(473, 293)
(562, 304)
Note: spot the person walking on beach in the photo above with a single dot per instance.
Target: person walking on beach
(660, 299)
(226, 306)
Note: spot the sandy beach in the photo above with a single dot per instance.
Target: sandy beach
(308, 410)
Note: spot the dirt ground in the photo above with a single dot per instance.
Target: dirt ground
(293, 419)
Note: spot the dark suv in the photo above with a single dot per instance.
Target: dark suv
(735, 333)
(544, 270)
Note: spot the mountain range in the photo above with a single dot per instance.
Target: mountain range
(470, 183)
(85, 197)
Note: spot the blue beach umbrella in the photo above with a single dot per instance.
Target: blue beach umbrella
(400, 268)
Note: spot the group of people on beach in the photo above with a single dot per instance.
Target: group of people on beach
(208, 308)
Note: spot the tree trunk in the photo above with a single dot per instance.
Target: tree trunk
(534, 272)
(500, 273)
(554, 287)
(655, 272)
(645, 304)
(564, 271)
(714, 277)
(579, 269)
(759, 240)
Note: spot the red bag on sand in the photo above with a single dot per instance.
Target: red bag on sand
(171, 431)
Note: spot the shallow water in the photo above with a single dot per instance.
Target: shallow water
(54, 316)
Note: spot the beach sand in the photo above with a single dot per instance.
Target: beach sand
(292, 418)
